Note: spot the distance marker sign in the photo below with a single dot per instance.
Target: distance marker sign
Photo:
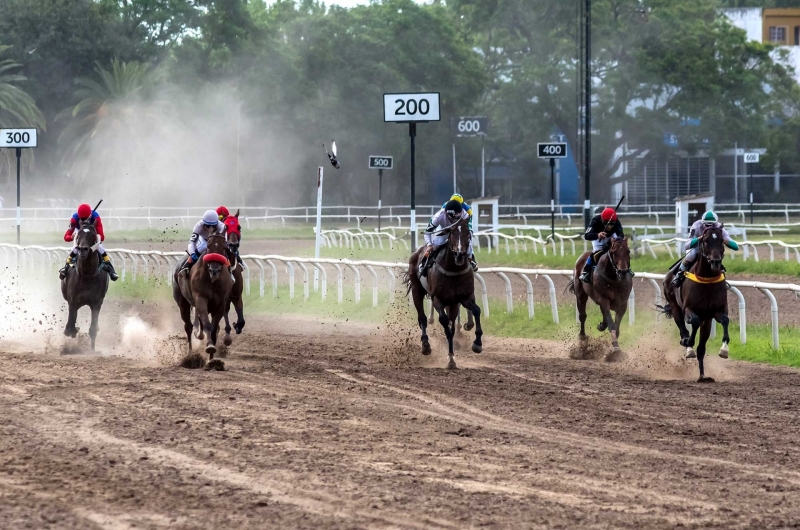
(381, 162)
(18, 138)
(553, 150)
(412, 107)
(466, 126)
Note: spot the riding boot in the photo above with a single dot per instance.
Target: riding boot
(423, 265)
(473, 263)
(62, 273)
(586, 275)
(109, 268)
(677, 281)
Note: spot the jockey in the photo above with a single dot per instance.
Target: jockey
(210, 225)
(601, 229)
(709, 220)
(451, 213)
(467, 208)
(223, 213)
(232, 226)
(86, 215)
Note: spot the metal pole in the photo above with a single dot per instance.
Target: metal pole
(736, 173)
(751, 193)
(412, 132)
(455, 185)
(553, 197)
(380, 192)
(587, 125)
(318, 241)
(19, 195)
(238, 178)
(483, 168)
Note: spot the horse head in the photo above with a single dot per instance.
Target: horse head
(217, 244)
(620, 256)
(712, 248)
(458, 241)
(87, 240)
(234, 231)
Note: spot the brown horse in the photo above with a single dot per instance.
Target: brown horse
(450, 283)
(87, 284)
(701, 299)
(208, 289)
(610, 288)
(234, 231)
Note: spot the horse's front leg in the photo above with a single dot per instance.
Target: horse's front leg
(227, 340)
(213, 332)
(418, 297)
(722, 318)
(470, 322)
(94, 328)
(705, 333)
(473, 309)
(608, 320)
(198, 327)
(238, 304)
(186, 316)
(444, 320)
(201, 314)
(689, 341)
(70, 330)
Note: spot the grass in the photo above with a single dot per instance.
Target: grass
(499, 324)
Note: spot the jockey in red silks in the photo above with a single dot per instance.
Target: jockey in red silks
(232, 226)
(86, 215)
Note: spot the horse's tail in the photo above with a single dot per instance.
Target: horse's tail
(570, 287)
(665, 310)
(407, 282)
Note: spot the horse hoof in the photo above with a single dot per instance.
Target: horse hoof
(723, 352)
(690, 353)
(452, 365)
(477, 348)
(227, 341)
(426, 348)
(602, 326)
(706, 380)
(468, 326)
(211, 349)
(238, 329)
(685, 342)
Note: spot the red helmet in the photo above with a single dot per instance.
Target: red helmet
(223, 212)
(608, 215)
(84, 211)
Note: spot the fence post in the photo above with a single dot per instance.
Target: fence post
(484, 294)
(529, 289)
(509, 294)
(742, 315)
(773, 305)
(553, 301)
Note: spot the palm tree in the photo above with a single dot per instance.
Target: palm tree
(106, 134)
(17, 108)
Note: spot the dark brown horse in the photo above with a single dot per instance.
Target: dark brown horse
(87, 284)
(234, 231)
(450, 283)
(610, 288)
(207, 288)
(701, 299)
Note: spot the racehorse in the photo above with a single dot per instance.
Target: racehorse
(87, 284)
(208, 290)
(610, 288)
(450, 283)
(701, 299)
(234, 231)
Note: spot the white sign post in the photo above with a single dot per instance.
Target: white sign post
(411, 108)
(469, 126)
(752, 159)
(318, 240)
(552, 151)
(18, 139)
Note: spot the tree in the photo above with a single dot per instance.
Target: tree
(17, 108)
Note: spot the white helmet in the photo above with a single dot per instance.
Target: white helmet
(210, 218)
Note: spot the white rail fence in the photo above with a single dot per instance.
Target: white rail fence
(162, 264)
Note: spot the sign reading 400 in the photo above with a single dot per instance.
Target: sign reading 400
(423, 106)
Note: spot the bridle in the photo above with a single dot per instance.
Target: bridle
(716, 232)
(621, 273)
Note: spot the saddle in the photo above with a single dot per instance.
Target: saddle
(427, 263)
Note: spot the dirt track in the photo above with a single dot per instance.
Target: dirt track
(333, 425)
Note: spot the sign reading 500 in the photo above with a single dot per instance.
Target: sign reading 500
(422, 106)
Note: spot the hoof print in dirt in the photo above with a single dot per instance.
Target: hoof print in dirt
(215, 364)
(193, 361)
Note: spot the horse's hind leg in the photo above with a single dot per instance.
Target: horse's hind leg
(705, 333)
(580, 300)
(722, 318)
(227, 340)
(186, 316)
(470, 322)
(94, 328)
(444, 320)
(212, 334)
(473, 309)
(199, 333)
(419, 303)
(239, 306)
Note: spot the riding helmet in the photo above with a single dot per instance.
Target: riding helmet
(84, 211)
(210, 218)
(453, 208)
(608, 215)
(222, 212)
(457, 197)
(710, 218)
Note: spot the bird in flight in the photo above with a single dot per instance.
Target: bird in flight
(332, 154)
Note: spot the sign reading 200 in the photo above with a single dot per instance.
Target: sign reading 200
(411, 107)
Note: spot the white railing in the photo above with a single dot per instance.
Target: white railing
(163, 263)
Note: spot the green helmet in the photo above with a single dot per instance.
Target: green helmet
(710, 218)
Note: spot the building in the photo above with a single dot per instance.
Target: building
(780, 27)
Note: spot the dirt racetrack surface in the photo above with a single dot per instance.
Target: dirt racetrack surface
(340, 425)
